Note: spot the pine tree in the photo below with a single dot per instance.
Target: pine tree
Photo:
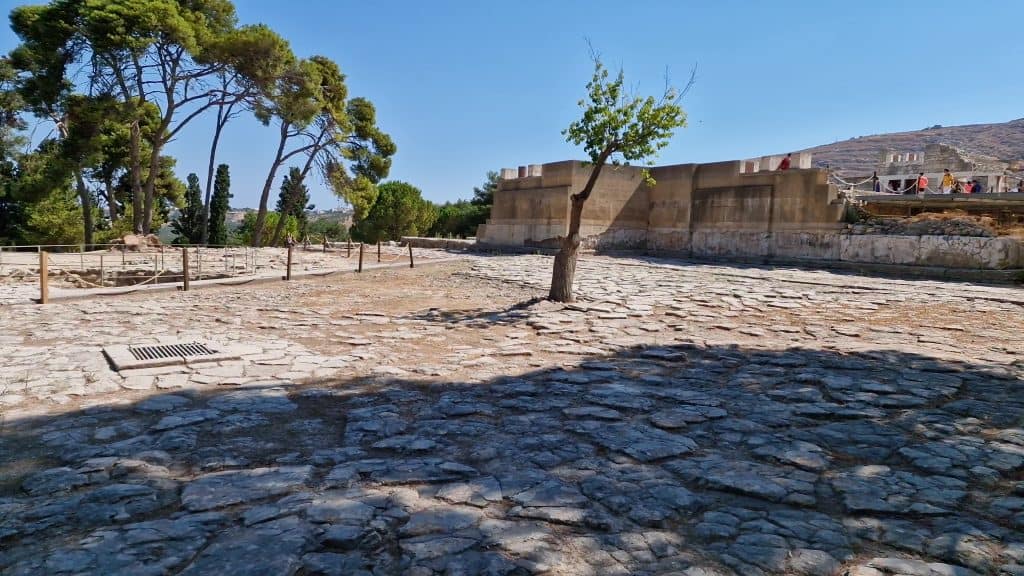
(189, 225)
(219, 206)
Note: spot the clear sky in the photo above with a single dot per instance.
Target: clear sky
(466, 87)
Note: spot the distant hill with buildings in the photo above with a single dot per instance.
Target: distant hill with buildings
(860, 155)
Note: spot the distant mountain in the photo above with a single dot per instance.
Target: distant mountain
(860, 155)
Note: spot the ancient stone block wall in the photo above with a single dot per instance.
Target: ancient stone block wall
(716, 211)
(623, 212)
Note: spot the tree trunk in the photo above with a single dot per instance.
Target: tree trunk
(564, 270)
(281, 219)
(289, 202)
(221, 121)
(565, 261)
(261, 215)
(136, 176)
(108, 190)
(86, 200)
(150, 188)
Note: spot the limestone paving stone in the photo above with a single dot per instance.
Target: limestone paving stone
(679, 419)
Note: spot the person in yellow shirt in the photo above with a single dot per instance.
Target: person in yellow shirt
(947, 182)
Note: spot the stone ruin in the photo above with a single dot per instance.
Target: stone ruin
(136, 242)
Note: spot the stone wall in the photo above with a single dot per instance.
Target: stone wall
(716, 211)
(625, 213)
(961, 252)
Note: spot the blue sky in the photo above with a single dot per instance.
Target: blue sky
(466, 87)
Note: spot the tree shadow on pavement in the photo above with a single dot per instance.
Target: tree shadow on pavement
(650, 460)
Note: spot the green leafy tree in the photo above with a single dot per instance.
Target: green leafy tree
(359, 192)
(616, 127)
(484, 195)
(12, 209)
(257, 57)
(163, 55)
(56, 219)
(333, 229)
(189, 224)
(219, 206)
(316, 120)
(248, 227)
(293, 200)
(169, 192)
(400, 210)
(459, 219)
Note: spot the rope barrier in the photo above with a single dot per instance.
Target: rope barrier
(147, 281)
(396, 258)
(844, 182)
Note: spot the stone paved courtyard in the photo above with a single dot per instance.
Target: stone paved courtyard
(680, 419)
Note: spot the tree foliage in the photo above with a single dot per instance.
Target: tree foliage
(616, 127)
(333, 229)
(359, 192)
(459, 219)
(189, 224)
(293, 200)
(115, 80)
(317, 120)
(55, 219)
(219, 206)
(399, 210)
(484, 195)
(245, 231)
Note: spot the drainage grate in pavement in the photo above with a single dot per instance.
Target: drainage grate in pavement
(151, 356)
(170, 351)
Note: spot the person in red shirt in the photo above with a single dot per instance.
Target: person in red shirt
(922, 183)
(784, 165)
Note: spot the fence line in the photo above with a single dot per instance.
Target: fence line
(178, 265)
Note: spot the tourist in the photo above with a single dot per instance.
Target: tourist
(1020, 186)
(977, 188)
(876, 184)
(947, 182)
(784, 165)
(922, 183)
(958, 187)
(968, 186)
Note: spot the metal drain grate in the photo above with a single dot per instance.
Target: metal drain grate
(170, 351)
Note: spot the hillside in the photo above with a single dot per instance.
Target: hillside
(860, 155)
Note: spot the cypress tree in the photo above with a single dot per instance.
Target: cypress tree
(219, 206)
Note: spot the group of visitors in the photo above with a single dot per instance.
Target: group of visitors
(950, 185)
(953, 185)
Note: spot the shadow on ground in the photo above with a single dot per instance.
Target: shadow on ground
(686, 459)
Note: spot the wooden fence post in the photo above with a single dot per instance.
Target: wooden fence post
(44, 278)
(288, 272)
(411, 264)
(378, 251)
(349, 248)
(101, 269)
(360, 257)
(184, 269)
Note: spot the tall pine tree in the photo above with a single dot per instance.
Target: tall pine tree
(293, 200)
(219, 206)
(189, 225)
